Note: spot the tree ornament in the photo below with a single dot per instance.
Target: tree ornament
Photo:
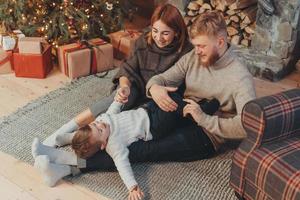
(109, 6)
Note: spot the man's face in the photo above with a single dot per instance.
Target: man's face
(207, 49)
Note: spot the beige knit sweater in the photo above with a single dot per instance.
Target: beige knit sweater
(228, 80)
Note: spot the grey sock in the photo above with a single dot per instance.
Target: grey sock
(66, 128)
(75, 171)
(57, 156)
(51, 173)
(64, 139)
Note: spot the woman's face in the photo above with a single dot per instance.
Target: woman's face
(162, 34)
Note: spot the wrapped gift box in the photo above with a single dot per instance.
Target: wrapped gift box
(33, 65)
(5, 62)
(31, 45)
(123, 42)
(79, 59)
(9, 41)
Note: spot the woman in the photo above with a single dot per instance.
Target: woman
(155, 52)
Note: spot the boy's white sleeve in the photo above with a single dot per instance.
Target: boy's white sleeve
(114, 108)
(119, 154)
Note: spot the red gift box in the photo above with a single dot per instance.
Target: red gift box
(33, 65)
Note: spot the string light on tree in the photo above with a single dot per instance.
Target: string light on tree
(63, 21)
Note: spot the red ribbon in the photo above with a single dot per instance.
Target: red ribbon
(5, 60)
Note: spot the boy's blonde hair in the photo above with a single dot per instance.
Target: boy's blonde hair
(209, 23)
(81, 143)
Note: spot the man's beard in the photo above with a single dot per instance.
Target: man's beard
(213, 58)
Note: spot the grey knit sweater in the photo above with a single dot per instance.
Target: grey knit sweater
(228, 80)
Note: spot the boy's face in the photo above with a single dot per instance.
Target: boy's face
(100, 134)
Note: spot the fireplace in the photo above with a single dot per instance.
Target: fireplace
(274, 46)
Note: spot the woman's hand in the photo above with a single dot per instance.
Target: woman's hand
(193, 109)
(122, 94)
(135, 194)
(162, 99)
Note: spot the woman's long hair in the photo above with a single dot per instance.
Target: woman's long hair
(170, 16)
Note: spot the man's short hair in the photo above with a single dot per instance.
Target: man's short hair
(209, 23)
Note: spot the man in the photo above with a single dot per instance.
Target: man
(211, 70)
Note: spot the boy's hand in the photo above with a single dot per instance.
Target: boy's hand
(193, 109)
(122, 94)
(136, 194)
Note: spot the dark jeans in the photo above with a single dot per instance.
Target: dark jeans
(175, 139)
(163, 123)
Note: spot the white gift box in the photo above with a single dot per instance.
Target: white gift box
(8, 42)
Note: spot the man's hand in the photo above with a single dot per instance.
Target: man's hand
(122, 94)
(193, 109)
(136, 194)
(162, 99)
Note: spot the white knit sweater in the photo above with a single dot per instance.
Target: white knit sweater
(125, 128)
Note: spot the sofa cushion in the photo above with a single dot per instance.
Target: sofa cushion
(275, 169)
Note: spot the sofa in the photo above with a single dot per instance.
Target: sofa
(266, 165)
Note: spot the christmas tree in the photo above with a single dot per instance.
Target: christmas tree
(10, 14)
(62, 21)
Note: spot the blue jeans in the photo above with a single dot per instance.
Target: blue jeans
(185, 141)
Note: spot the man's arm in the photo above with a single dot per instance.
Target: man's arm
(157, 85)
(230, 128)
(173, 77)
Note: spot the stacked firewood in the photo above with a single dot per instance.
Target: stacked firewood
(240, 16)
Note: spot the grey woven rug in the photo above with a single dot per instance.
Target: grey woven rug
(206, 179)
